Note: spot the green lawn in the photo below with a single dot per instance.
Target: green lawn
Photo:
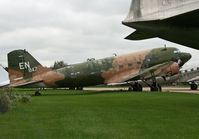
(76, 114)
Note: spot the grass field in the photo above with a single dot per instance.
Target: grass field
(75, 114)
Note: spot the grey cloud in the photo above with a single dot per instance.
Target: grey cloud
(71, 30)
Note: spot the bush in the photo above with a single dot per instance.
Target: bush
(5, 103)
(14, 97)
(9, 99)
(25, 98)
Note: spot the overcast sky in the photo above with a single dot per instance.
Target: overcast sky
(70, 30)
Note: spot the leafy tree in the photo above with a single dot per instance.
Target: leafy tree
(59, 64)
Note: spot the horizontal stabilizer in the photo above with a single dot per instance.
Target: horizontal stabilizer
(4, 79)
(137, 35)
(31, 84)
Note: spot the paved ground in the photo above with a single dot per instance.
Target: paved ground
(165, 89)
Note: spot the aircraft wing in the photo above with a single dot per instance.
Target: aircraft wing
(149, 72)
(175, 21)
(139, 35)
(194, 79)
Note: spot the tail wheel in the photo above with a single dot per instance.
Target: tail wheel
(37, 93)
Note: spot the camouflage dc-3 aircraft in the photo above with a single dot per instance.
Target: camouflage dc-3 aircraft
(27, 72)
(172, 20)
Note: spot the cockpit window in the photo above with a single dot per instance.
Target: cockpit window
(176, 51)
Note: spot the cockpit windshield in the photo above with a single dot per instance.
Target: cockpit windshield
(176, 51)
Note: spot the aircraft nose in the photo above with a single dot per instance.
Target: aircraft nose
(185, 57)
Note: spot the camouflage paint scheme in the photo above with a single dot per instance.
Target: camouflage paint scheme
(25, 71)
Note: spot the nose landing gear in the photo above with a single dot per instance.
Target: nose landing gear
(194, 86)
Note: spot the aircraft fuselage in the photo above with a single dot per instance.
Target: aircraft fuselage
(104, 71)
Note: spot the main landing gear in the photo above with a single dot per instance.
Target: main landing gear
(155, 87)
(75, 88)
(136, 87)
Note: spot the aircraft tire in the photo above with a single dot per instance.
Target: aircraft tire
(140, 88)
(37, 93)
(130, 89)
(156, 87)
(159, 88)
(137, 87)
(194, 86)
(79, 88)
(71, 88)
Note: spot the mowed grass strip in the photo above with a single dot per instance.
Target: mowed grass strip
(84, 114)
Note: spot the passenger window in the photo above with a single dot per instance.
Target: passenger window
(130, 65)
(121, 66)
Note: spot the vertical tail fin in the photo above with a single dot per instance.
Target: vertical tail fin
(21, 65)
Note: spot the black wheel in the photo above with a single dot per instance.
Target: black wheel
(137, 87)
(159, 88)
(130, 89)
(194, 86)
(37, 93)
(156, 87)
(71, 88)
(79, 88)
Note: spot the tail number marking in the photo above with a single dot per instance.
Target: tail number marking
(26, 65)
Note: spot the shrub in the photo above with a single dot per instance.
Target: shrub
(25, 98)
(14, 97)
(5, 103)
(9, 99)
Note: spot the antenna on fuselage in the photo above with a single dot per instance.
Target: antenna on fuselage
(114, 54)
(165, 47)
